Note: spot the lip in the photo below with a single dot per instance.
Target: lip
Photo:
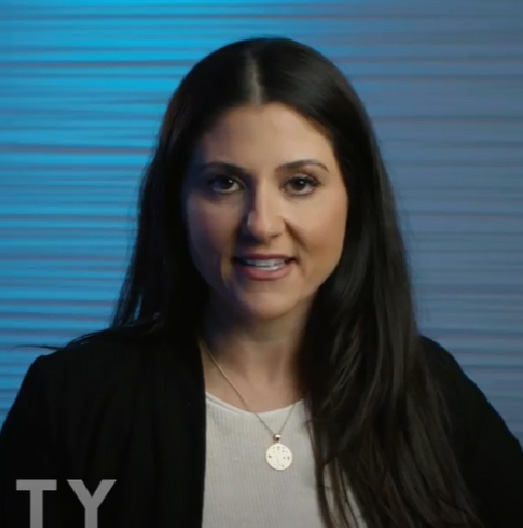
(255, 256)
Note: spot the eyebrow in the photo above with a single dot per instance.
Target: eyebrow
(236, 169)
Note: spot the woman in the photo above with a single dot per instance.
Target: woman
(263, 366)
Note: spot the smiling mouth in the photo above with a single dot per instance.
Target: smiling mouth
(269, 264)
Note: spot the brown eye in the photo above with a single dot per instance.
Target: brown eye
(302, 185)
(222, 184)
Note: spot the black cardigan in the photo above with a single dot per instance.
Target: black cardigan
(118, 409)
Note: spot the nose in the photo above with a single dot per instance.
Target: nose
(263, 218)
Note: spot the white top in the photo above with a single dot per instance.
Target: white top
(241, 489)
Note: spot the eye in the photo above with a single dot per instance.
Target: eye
(302, 185)
(222, 184)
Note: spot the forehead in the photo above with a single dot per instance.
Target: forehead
(269, 132)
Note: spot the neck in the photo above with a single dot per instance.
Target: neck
(260, 353)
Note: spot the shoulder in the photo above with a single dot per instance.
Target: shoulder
(105, 347)
(98, 383)
(90, 357)
(112, 348)
(461, 396)
(461, 393)
(489, 454)
(438, 358)
(61, 396)
(448, 375)
(105, 362)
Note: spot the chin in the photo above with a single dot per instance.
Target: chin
(266, 309)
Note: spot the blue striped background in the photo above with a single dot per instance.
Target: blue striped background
(83, 87)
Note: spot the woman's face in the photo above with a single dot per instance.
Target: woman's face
(265, 207)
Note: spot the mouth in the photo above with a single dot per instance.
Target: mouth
(263, 269)
(268, 264)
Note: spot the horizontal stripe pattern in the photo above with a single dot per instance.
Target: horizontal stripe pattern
(84, 86)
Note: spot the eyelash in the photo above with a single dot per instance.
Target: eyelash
(309, 180)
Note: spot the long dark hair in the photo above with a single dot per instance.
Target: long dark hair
(379, 425)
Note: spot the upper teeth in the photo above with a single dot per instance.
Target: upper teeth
(265, 263)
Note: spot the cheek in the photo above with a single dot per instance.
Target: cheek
(324, 233)
(211, 229)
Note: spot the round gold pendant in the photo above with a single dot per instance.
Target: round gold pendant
(278, 456)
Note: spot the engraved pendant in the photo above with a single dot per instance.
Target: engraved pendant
(278, 456)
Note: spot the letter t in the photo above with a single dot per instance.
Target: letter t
(36, 504)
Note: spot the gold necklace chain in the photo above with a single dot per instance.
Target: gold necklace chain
(278, 455)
